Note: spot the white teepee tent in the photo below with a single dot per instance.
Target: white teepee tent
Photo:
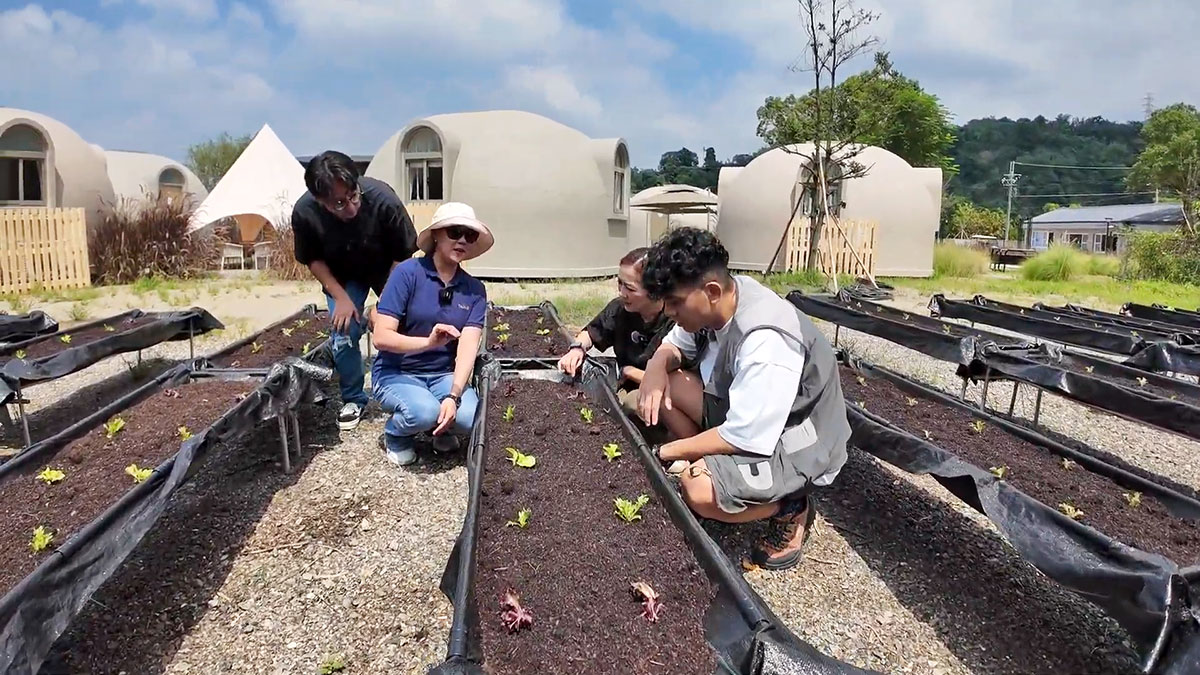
(261, 187)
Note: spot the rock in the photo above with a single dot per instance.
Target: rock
(248, 628)
(365, 525)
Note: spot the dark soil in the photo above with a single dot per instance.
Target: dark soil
(52, 345)
(95, 470)
(275, 345)
(574, 563)
(523, 340)
(1035, 471)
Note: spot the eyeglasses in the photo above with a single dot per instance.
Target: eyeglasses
(341, 204)
(457, 232)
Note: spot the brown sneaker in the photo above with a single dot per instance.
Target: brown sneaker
(782, 546)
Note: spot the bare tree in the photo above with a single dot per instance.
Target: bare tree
(833, 30)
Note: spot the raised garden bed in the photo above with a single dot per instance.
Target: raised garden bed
(95, 496)
(1162, 313)
(304, 334)
(525, 332)
(1123, 542)
(21, 327)
(1081, 312)
(49, 345)
(571, 560)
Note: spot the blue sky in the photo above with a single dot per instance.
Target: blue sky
(159, 75)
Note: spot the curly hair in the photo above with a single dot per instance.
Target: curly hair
(682, 258)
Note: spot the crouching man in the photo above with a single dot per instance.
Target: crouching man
(766, 422)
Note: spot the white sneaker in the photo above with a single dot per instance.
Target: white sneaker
(349, 417)
(402, 457)
(445, 443)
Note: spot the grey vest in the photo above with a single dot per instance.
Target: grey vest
(815, 436)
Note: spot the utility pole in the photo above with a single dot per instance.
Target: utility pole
(1010, 181)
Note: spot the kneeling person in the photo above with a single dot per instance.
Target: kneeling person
(768, 421)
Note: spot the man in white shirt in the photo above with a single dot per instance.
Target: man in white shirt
(765, 422)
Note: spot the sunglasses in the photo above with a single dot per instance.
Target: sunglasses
(457, 232)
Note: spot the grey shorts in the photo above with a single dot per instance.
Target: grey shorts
(745, 480)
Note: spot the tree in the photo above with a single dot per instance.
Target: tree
(672, 161)
(644, 178)
(710, 160)
(885, 109)
(969, 220)
(1171, 160)
(210, 159)
(828, 117)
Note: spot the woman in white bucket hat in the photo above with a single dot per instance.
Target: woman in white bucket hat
(428, 325)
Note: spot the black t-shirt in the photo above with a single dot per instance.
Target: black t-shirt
(362, 249)
(632, 339)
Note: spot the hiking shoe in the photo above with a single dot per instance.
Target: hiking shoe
(349, 416)
(445, 443)
(782, 546)
(398, 453)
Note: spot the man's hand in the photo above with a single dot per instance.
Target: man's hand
(655, 392)
(446, 416)
(441, 334)
(344, 312)
(571, 361)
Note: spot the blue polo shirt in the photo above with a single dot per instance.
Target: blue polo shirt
(412, 296)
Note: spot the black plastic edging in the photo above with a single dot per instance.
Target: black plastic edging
(1039, 311)
(21, 327)
(1162, 313)
(1071, 309)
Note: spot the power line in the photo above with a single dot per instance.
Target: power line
(1089, 194)
(1067, 166)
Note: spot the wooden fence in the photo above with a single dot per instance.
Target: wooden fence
(42, 248)
(838, 258)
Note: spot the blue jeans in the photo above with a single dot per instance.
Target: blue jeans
(347, 356)
(415, 400)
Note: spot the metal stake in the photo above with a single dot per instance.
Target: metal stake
(987, 378)
(295, 423)
(139, 357)
(962, 395)
(283, 441)
(191, 342)
(1013, 403)
(1037, 408)
(837, 331)
(24, 417)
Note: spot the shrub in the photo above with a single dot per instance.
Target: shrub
(952, 260)
(1103, 265)
(1164, 256)
(1057, 263)
(148, 238)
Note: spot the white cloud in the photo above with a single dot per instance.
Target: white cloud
(199, 10)
(555, 87)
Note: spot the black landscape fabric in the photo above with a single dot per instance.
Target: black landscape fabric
(166, 326)
(1144, 592)
(40, 607)
(1192, 334)
(21, 327)
(1181, 317)
(747, 636)
(1165, 357)
(1042, 311)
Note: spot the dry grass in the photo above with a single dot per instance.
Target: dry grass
(148, 238)
(282, 264)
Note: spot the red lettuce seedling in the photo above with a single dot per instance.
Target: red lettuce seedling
(513, 614)
(649, 598)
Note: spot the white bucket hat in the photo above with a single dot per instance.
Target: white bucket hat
(451, 214)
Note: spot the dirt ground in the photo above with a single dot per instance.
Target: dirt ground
(255, 571)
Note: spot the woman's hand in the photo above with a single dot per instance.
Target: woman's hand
(571, 361)
(441, 334)
(446, 416)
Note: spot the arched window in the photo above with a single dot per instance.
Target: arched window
(620, 180)
(811, 202)
(170, 184)
(22, 166)
(422, 150)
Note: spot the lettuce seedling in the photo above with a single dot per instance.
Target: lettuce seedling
(911, 401)
(543, 331)
(255, 347)
(41, 539)
(906, 316)
(1134, 499)
(139, 475)
(300, 323)
(502, 338)
(1090, 369)
(305, 348)
(977, 426)
(946, 330)
(512, 614)
(287, 332)
(586, 415)
(113, 427)
(862, 381)
(522, 521)
(612, 451)
(649, 598)
(331, 665)
(928, 436)
(1070, 511)
(184, 434)
(109, 329)
(630, 511)
(510, 413)
(322, 334)
(51, 476)
(999, 471)
(1142, 381)
(20, 354)
(65, 339)
(540, 319)
(501, 328)
(1067, 464)
(520, 459)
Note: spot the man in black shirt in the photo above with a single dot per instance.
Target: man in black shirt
(350, 231)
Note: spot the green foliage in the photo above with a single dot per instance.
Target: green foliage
(20, 354)
(255, 347)
(50, 476)
(520, 459)
(977, 427)
(629, 511)
(79, 311)
(41, 539)
(1171, 160)
(331, 665)
(113, 427)
(542, 331)
(952, 260)
(139, 474)
(1134, 499)
(65, 338)
(612, 451)
(1103, 265)
(683, 167)
(586, 415)
(1165, 256)
(968, 220)
(1066, 263)
(878, 107)
(184, 433)
(210, 159)
(1070, 511)
(510, 413)
(522, 521)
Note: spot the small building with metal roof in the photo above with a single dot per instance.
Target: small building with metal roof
(1102, 229)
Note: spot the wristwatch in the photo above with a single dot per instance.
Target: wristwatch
(456, 398)
(577, 345)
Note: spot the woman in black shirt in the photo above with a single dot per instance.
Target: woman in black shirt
(632, 324)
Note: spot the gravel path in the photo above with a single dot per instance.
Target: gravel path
(253, 571)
